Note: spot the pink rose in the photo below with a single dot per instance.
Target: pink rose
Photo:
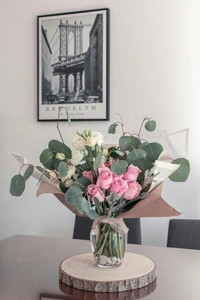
(105, 178)
(131, 173)
(133, 190)
(95, 191)
(88, 174)
(119, 185)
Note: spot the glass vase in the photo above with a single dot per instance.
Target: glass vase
(108, 241)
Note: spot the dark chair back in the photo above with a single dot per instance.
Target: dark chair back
(82, 227)
(184, 233)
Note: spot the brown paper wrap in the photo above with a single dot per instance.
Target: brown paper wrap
(152, 206)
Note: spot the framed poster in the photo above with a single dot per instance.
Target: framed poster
(73, 65)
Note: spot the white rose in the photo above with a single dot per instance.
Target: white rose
(78, 142)
(98, 137)
(77, 156)
(90, 141)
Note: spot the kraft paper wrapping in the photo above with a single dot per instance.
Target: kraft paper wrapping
(152, 206)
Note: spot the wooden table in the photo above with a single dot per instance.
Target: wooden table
(29, 271)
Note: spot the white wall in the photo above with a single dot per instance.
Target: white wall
(154, 71)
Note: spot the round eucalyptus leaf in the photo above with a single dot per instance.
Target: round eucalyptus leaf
(97, 161)
(45, 156)
(119, 167)
(93, 214)
(97, 203)
(73, 194)
(150, 125)
(134, 155)
(62, 169)
(128, 143)
(112, 128)
(152, 150)
(17, 185)
(82, 183)
(56, 146)
(182, 173)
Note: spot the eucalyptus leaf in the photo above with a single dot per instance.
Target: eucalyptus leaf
(119, 167)
(97, 203)
(153, 150)
(150, 125)
(128, 143)
(134, 155)
(97, 161)
(82, 206)
(56, 146)
(49, 165)
(74, 197)
(17, 185)
(62, 168)
(120, 153)
(112, 128)
(28, 172)
(113, 152)
(45, 156)
(56, 163)
(73, 194)
(93, 214)
(82, 183)
(182, 173)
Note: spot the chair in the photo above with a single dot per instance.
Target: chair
(184, 233)
(83, 225)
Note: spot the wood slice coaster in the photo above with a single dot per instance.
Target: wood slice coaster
(81, 272)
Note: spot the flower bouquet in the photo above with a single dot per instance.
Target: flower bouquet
(106, 182)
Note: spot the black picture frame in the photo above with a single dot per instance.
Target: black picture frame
(73, 65)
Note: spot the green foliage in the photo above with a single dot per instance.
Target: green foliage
(28, 172)
(58, 147)
(150, 125)
(119, 167)
(82, 183)
(97, 161)
(128, 143)
(17, 185)
(74, 197)
(45, 156)
(135, 155)
(182, 173)
(153, 150)
(112, 128)
(62, 169)
(97, 204)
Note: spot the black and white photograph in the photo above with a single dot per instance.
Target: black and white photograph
(73, 65)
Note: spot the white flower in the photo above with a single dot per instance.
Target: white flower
(78, 142)
(90, 141)
(98, 137)
(70, 173)
(76, 159)
(105, 152)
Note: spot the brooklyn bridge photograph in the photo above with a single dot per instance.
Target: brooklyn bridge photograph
(73, 65)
